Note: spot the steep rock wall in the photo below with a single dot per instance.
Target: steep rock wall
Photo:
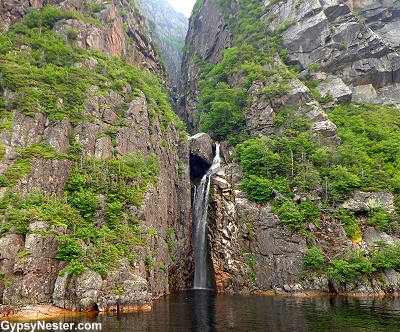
(253, 251)
(208, 35)
(251, 248)
(31, 273)
(109, 37)
(168, 29)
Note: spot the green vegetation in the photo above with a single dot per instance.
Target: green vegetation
(47, 73)
(39, 66)
(250, 263)
(367, 159)
(354, 264)
(223, 101)
(370, 148)
(121, 182)
(314, 258)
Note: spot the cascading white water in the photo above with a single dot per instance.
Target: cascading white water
(203, 276)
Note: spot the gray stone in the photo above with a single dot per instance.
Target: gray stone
(340, 92)
(200, 145)
(364, 201)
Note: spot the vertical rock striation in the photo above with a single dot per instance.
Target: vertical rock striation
(30, 271)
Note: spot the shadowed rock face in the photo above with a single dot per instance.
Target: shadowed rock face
(169, 32)
(201, 154)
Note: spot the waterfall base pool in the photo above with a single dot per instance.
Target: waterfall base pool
(200, 310)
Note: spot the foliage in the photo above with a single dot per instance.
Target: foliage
(68, 248)
(290, 215)
(370, 146)
(351, 225)
(386, 256)
(353, 265)
(75, 268)
(367, 160)
(222, 102)
(225, 110)
(262, 189)
(22, 163)
(314, 258)
(378, 217)
(122, 181)
(251, 262)
(20, 210)
(39, 67)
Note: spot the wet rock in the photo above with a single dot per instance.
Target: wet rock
(35, 312)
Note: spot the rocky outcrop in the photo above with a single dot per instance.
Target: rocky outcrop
(120, 291)
(253, 251)
(201, 154)
(348, 50)
(365, 201)
(333, 35)
(34, 277)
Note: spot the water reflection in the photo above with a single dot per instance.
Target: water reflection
(200, 311)
(204, 310)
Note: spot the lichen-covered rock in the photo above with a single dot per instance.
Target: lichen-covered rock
(365, 201)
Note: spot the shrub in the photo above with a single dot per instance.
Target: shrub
(351, 225)
(75, 268)
(71, 33)
(291, 215)
(314, 258)
(378, 217)
(99, 268)
(262, 189)
(68, 248)
(352, 266)
(387, 256)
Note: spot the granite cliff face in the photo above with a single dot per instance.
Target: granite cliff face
(168, 29)
(112, 125)
(112, 40)
(209, 32)
(349, 49)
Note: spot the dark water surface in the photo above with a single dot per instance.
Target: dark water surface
(199, 310)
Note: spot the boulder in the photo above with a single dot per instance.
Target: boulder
(201, 154)
(340, 92)
(365, 201)
(200, 145)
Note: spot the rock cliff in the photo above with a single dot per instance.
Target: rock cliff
(168, 29)
(120, 235)
(318, 55)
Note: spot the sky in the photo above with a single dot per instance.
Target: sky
(182, 6)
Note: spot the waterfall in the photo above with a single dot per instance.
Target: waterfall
(203, 271)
